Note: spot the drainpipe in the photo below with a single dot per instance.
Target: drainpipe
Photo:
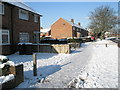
(39, 32)
(38, 36)
(11, 34)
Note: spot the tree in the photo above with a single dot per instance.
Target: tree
(102, 19)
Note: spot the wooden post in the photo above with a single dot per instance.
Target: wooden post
(106, 45)
(34, 65)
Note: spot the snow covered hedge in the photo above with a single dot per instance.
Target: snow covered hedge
(3, 59)
(5, 65)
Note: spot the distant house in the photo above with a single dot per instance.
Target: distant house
(45, 32)
(64, 29)
(20, 24)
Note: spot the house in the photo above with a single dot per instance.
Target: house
(19, 24)
(45, 32)
(64, 29)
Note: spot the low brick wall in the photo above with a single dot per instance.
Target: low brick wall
(52, 48)
(5, 49)
(29, 49)
(8, 49)
(19, 77)
(61, 48)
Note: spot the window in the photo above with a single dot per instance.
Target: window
(73, 28)
(4, 37)
(63, 23)
(35, 18)
(23, 14)
(24, 37)
(1, 8)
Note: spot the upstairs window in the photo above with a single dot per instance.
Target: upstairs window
(73, 28)
(23, 14)
(4, 37)
(24, 37)
(36, 18)
(1, 8)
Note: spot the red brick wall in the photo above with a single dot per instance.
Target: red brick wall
(61, 29)
(11, 21)
(6, 19)
(20, 25)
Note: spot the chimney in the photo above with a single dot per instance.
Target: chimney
(72, 20)
(41, 27)
(79, 23)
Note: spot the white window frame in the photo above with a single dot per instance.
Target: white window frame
(22, 17)
(35, 18)
(2, 13)
(23, 40)
(73, 28)
(1, 33)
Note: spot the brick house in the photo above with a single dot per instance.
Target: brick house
(64, 29)
(19, 24)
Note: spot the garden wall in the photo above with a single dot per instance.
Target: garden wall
(19, 77)
(75, 45)
(52, 48)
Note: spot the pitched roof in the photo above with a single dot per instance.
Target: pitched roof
(73, 24)
(20, 4)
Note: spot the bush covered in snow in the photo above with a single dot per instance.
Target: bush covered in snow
(3, 59)
(5, 65)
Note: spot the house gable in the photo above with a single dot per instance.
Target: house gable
(61, 19)
(61, 29)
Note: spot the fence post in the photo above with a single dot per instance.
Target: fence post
(34, 65)
(106, 45)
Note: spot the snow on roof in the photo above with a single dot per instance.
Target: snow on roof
(73, 24)
(45, 30)
(20, 4)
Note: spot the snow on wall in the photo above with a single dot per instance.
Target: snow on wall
(7, 78)
(11, 63)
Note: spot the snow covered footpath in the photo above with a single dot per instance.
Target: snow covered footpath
(102, 70)
(91, 66)
(54, 70)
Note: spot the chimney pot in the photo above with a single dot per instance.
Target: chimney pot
(79, 23)
(41, 27)
(72, 20)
